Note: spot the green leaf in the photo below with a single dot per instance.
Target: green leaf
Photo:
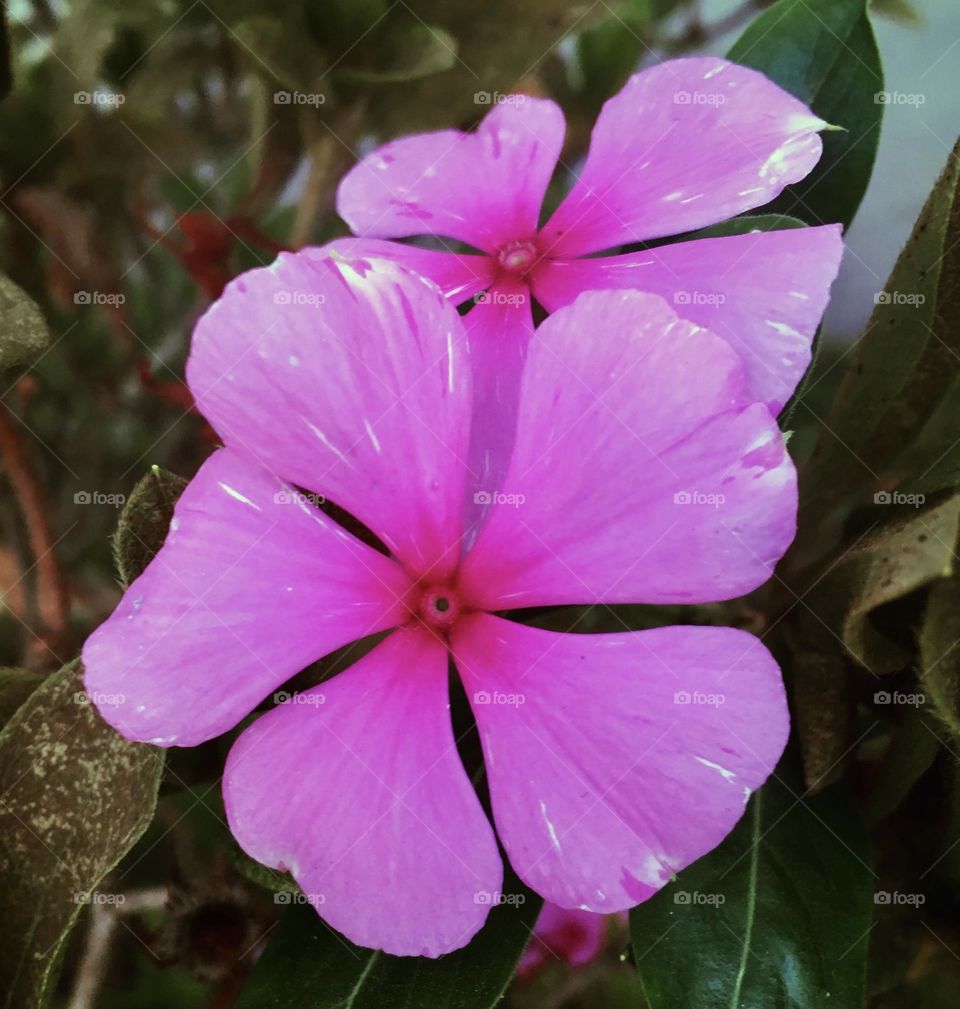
(895, 558)
(776, 916)
(76, 796)
(746, 224)
(902, 11)
(824, 52)
(417, 50)
(306, 955)
(906, 363)
(940, 653)
(16, 685)
(913, 746)
(6, 75)
(609, 51)
(144, 522)
(23, 332)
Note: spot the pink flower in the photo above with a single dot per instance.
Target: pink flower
(574, 937)
(643, 471)
(686, 144)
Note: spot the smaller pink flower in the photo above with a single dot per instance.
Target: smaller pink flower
(686, 144)
(573, 937)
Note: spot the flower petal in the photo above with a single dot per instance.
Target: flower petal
(685, 144)
(251, 586)
(359, 792)
(499, 328)
(349, 378)
(615, 760)
(641, 473)
(484, 187)
(459, 276)
(764, 291)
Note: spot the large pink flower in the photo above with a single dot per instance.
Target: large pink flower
(685, 144)
(643, 471)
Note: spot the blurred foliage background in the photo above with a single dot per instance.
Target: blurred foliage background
(150, 152)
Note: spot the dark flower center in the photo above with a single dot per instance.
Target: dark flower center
(438, 607)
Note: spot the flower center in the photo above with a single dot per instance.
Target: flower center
(439, 607)
(518, 257)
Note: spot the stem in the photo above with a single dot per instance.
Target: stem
(51, 599)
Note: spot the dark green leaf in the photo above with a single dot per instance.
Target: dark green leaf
(144, 522)
(418, 50)
(16, 685)
(76, 796)
(940, 653)
(913, 746)
(895, 558)
(906, 362)
(745, 224)
(6, 75)
(609, 51)
(23, 332)
(305, 955)
(775, 918)
(824, 52)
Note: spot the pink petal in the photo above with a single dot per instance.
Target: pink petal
(642, 473)
(359, 792)
(499, 327)
(576, 937)
(685, 144)
(484, 187)
(251, 586)
(349, 378)
(616, 760)
(460, 277)
(765, 292)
